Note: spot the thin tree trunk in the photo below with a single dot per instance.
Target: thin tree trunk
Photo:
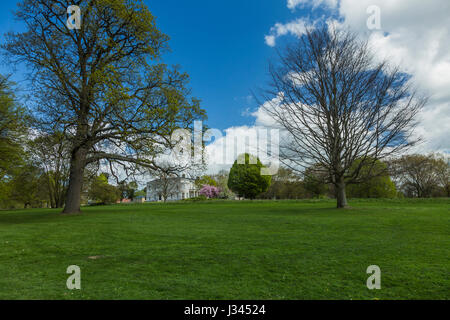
(73, 197)
(340, 194)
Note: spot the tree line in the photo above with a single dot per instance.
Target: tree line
(414, 175)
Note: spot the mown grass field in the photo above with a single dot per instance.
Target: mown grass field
(230, 250)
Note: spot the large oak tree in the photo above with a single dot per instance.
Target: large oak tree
(103, 85)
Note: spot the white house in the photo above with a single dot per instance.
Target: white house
(175, 188)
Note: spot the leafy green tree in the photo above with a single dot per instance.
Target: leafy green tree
(102, 192)
(5, 199)
(141, 193)
(104, 82)
(245, 177)
(315, 181)
(221, 179)
(128, 190)
(12, 129)
(51, 153)
(285, 185)
(377, 185)
(442, 169)
(205, 180)
(421, 175)
(28, 186)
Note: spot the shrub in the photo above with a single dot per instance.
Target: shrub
(209, 191)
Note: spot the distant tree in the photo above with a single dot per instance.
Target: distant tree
(127, 189)
(5, 199)
(338, 104)
(442, 168)
(418, 175)
(12, 128)
(104, 85)
(286, 184)
(245, 177)
(205, 180)
(221, 179)
(27, 186)
(52, 154)
(315, 181)
(141, 193)
(209, 191)
(377, 185)
(166, 185)
(103, 192)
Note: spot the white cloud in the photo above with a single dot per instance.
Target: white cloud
(415, 35)
(270, 40)
(256, 140)
(296, 27)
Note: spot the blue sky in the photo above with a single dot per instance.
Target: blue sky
(220, 44)
(225, 47)
(222, 48)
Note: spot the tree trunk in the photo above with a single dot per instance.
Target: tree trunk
(340, 194)
(73, 197)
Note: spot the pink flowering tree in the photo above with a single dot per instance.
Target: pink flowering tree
(209, 191)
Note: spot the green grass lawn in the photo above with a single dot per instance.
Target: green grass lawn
(229, 250)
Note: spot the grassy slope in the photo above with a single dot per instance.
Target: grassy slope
(229, 250)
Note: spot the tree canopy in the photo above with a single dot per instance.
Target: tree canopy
(102, 192)
(420, 175)
(245, 177)
(377, 185)
(12, 128)
(104, 85)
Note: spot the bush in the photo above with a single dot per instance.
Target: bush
(209, 191)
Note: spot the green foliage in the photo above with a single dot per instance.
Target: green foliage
(245, 177)
(51, 153)
(105, 81)
(222, 183)
(128, 189)
(28, 186)
(12, 128)
(205, 180)
(285, 185)
(315, 182)
(101, 191)
(379, 185)
(421, 175)
(141, 193)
